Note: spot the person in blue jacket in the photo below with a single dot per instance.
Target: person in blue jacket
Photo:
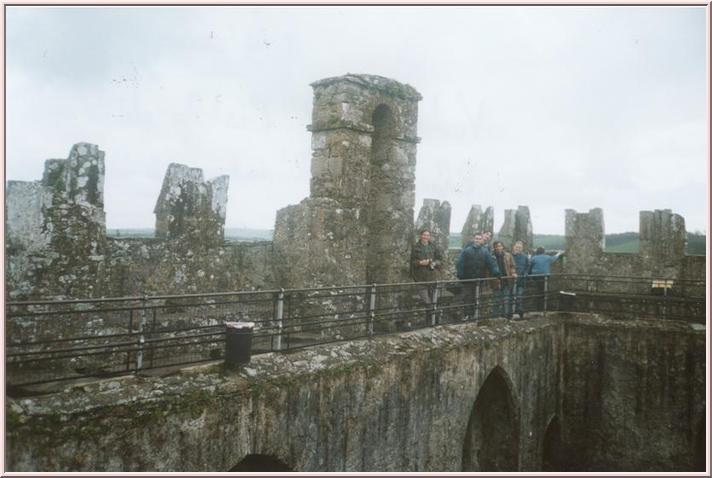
(474, 263)
(539, 268)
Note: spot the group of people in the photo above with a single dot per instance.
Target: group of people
(509, 272)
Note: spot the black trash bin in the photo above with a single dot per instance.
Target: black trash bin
(238, 343)
(567, 301)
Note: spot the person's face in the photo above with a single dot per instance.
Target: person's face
(487, 236)
(478, 239)
(517, 248)
(499, 248)
(425, 237)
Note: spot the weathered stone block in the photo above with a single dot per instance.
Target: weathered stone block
(191, 209)
(25, 203)
(319, 243)
(435, 216)
(662, 236)
(517, 227)
(477, 221)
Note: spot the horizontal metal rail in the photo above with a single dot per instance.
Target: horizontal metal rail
(53, 341)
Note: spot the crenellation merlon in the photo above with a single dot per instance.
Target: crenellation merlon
(662, 235)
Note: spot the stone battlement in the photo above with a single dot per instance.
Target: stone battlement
(358, 219)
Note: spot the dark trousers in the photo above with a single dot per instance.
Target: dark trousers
(426, 292)
(469, 296)
(538, 288)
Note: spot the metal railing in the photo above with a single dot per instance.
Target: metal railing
(48, 341)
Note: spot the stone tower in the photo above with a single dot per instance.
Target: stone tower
(356, 226)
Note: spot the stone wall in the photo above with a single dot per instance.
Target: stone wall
(662, 248)
(633, 398)
(135, 266)
(628, 395)
(191, 209)
(57, 246)
(356, 226)
(56, 230)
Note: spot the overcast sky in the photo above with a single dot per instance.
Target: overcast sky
(550, 107)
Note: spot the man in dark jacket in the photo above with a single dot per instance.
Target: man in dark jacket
(521, 266)
(425, 260)
(476, 262)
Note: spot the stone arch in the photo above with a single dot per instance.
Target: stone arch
(261, 463)
(492, 437)
(552, 458)
(383, 196)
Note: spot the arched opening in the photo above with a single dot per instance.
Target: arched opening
(553, 456)
(383, 198)
(257, 463)
(492, 437)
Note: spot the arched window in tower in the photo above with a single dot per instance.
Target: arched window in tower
(383, 195)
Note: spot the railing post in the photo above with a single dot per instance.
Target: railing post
(372, 309)
(279, 318)
(130, 331)
(436, 293)
(477, 300)
(665, 301)
(546, 293)
(141, 338)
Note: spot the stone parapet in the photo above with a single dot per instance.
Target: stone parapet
(662, 236)
(57, 227)
(517, 226)
(435, 216)
(190, 208)
(477, 221)
(662, 247)
(321, 243)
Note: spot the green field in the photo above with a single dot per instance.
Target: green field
(231, 234)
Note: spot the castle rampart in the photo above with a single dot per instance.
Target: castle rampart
(356, 227)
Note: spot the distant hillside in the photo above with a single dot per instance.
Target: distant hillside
(130, 232)
(239, 234)
(626, 242)
(235, 234)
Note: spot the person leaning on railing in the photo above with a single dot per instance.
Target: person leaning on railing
(540, 267)
(425, 261)
(521, 268)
